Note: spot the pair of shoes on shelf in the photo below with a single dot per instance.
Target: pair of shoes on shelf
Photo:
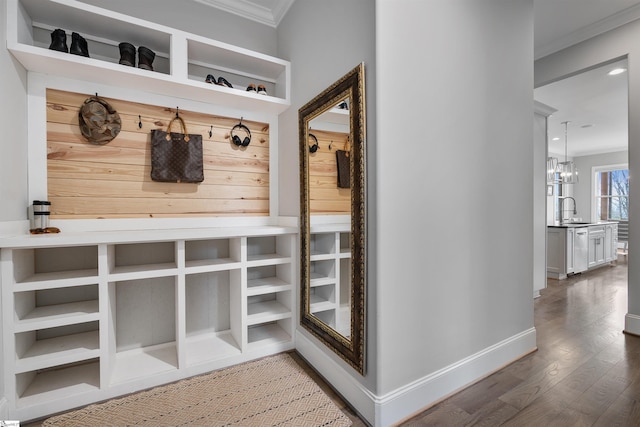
(261, 90)
(221, 81)
(78, 43)
(128, 56)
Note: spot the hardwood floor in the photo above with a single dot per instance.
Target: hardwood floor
(586, 372)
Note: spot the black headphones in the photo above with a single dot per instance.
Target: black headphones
(315, 145)
(236, 139)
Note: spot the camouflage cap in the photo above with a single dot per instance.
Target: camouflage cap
(99, 122)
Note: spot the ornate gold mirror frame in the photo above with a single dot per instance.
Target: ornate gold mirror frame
(350, 89)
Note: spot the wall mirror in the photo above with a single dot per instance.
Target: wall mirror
(332, 217)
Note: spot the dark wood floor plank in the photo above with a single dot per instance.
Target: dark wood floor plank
(485, 391)
(550, 408)
(587, 374)
(542, 381)
(624, 411)
(445, 414)
(492, 414)
(598, 398)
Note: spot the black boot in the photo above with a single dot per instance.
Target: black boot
(59, 41)
(79, 45)
(145, 58)
(127, 54)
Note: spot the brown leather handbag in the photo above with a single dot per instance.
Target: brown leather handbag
(176, 157)
(344, 168)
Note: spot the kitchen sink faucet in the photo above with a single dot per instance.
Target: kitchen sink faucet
(575, 209)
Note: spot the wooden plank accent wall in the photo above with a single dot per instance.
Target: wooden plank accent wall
(325, 197)
(113, 180)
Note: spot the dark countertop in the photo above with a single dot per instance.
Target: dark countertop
(582, 224)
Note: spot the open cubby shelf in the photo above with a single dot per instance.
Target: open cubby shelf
(58, 351)
(143, 363)
(142, 313)
(182, 60)
(330, 274)
(74, 379)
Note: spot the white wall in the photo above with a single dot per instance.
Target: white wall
(197, 18)
(454, 219)
(608, 47)
(583, 190)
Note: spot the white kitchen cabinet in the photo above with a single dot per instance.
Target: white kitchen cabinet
(611, 242)
(561, 252)
(596, 246)
(570, 249)
(568, 253)
(581, 249)
(90, 316)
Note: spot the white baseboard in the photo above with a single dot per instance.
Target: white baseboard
(632, 324)
(4, 409)
(415, 397)
(412, 398)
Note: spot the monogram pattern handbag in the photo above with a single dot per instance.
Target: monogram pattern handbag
(344, 167)
(176, 157)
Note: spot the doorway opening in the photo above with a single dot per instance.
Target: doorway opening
(590, 129)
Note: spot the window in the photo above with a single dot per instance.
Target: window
(612, 194)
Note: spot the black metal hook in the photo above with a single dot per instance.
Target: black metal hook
(177, 112)
(211, 131)
(139, 122)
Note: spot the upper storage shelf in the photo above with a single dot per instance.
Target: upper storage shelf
(181, 65)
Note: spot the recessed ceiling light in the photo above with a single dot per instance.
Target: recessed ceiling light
(555, 139)
(586, 126)
(617, 71)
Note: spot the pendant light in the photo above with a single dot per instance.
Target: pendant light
(552, 168)
(567, 169)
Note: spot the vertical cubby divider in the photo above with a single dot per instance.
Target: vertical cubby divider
(105, 315)
(180, 303)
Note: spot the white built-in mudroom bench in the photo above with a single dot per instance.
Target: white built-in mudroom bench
(117, 303)
(88, 316)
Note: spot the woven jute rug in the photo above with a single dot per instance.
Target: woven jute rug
(274, 391)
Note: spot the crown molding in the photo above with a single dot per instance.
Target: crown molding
(250, 10)
(618, 19)
(543, 109)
